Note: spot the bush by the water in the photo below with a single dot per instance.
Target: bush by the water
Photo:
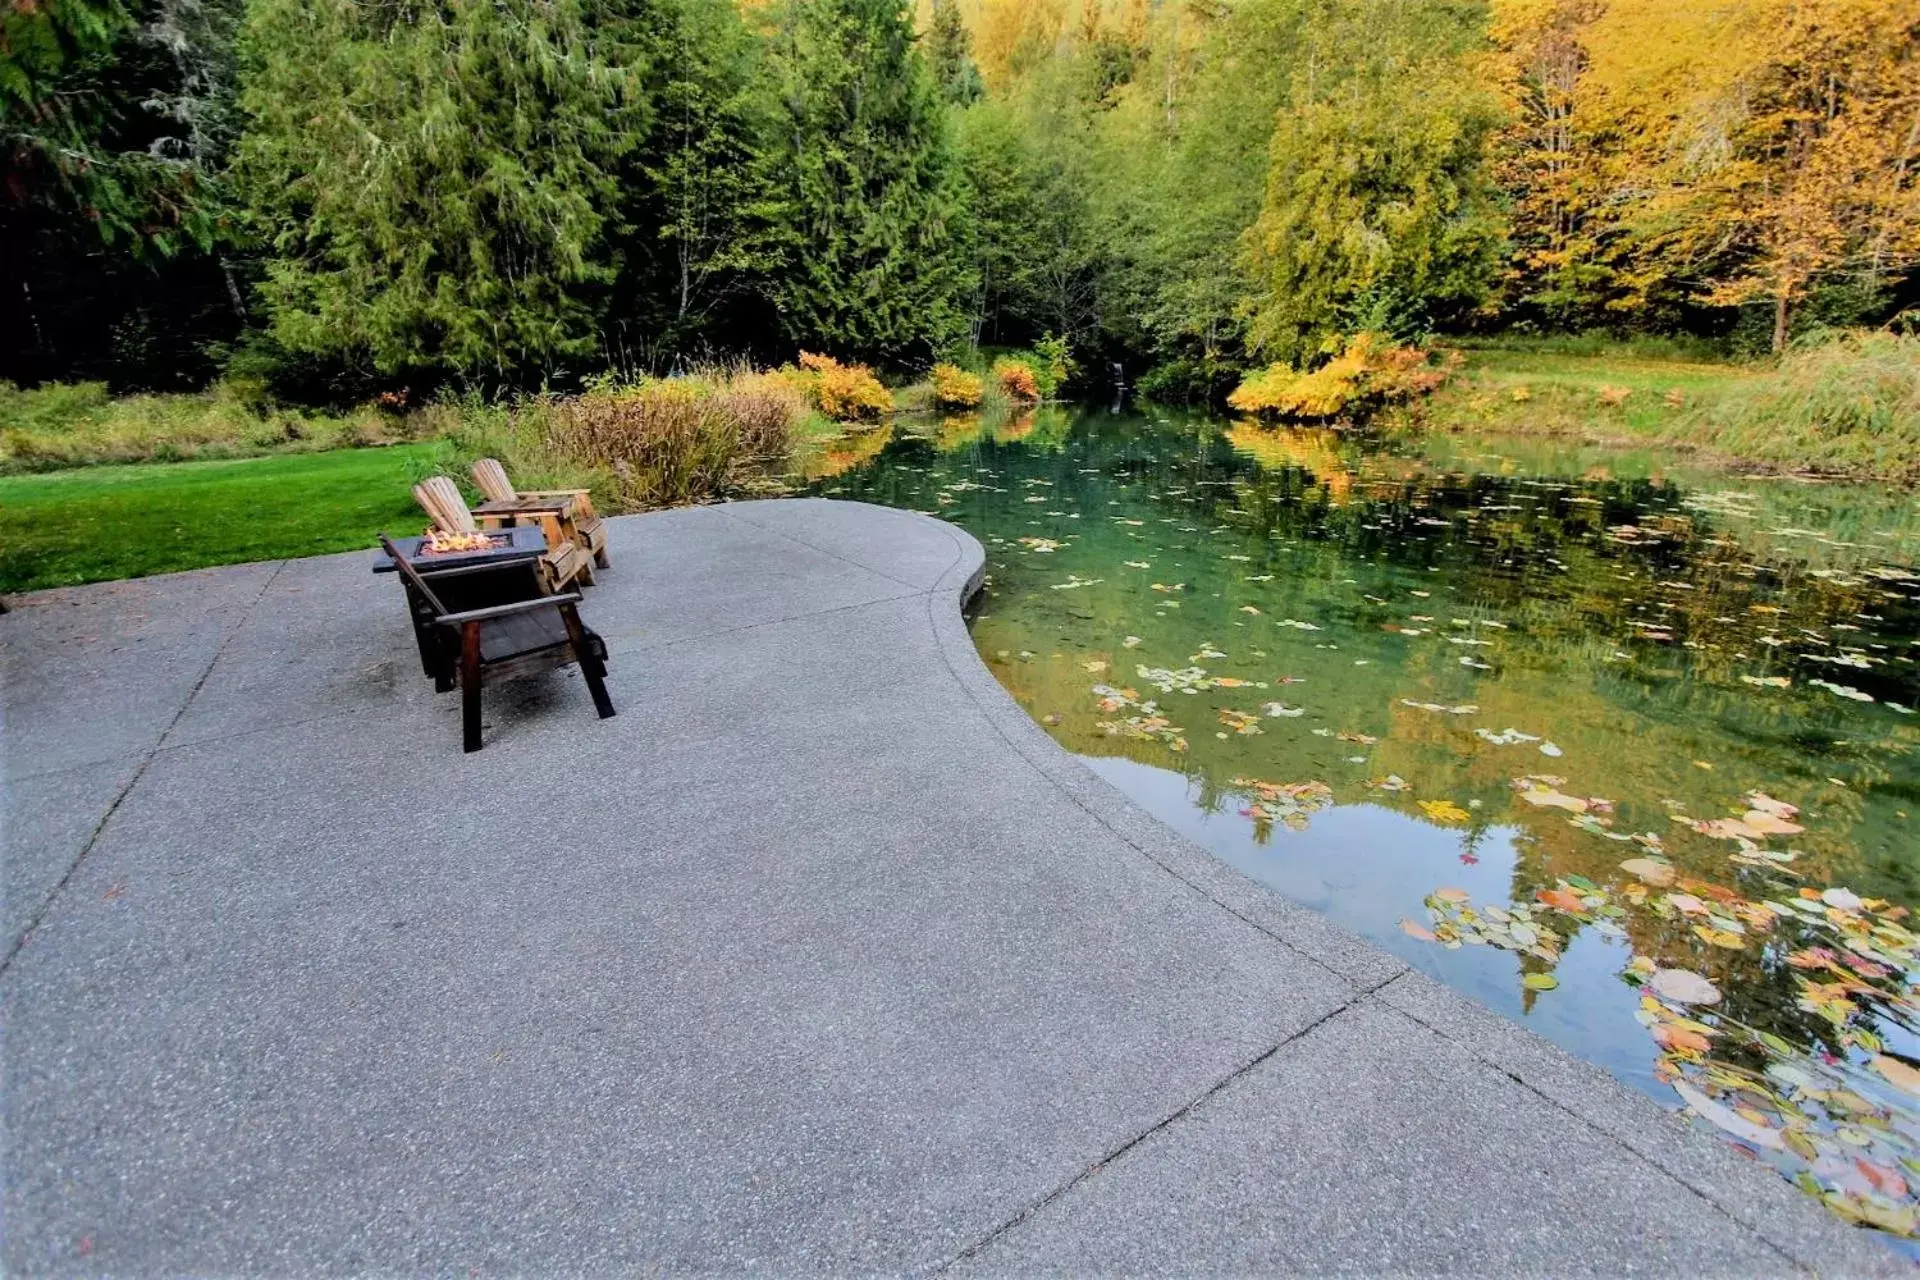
(955, 388)
(1017, 379)
(648, 444)
(843, 392)
(1370, 371)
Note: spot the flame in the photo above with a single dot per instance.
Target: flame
(440, 542)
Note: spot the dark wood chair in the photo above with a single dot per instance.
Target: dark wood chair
(503, 641)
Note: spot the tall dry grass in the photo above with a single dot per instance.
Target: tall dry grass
(1846, 401)
(652, 443)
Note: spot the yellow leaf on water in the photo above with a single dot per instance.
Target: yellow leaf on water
(1898, 1073)
(1443, 811)
(1540, 982)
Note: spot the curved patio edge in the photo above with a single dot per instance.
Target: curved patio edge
(1750, 1194)
(820, 956)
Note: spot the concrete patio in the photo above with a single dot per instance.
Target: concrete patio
(819, 957)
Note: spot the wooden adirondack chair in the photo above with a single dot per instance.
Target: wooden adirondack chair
(506, 641)
(566, 560)
(577, 515)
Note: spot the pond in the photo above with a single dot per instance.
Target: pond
(1623, 749)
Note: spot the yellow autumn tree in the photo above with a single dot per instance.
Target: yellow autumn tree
(1718, 154)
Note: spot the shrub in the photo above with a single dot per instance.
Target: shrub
(955, 388)
(843, 392)
(663, 440)
(1368, 371)
(1017, 379)
(1052, 364)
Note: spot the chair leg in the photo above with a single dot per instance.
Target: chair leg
(591, 667)
(470, 685)
(600, 558)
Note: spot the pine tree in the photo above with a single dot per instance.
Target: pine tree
(867, 173)
(434, 183)
(701, 198)
(950, 50)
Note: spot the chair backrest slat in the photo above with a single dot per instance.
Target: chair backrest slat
(492, 479)
(413, 576)
(442, 500)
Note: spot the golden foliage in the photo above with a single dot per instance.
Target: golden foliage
(843, 392)
(1017, 380)
(1741, 151)
(955, 388)
(1368, 369)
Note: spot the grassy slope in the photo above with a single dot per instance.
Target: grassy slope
(1552, 392)
(124, 522)
(1849, 407)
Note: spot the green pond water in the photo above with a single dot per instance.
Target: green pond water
(1622, 748)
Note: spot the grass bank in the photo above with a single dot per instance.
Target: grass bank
(1846, 405)
(58, 426)
(101, 523)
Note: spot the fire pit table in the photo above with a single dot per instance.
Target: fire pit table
(504, 571)
(506, 546)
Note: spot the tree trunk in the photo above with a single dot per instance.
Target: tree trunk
(1779, 322)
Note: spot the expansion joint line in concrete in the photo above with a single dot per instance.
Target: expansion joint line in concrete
(18, 944)
(1186, 1109)
(1625, 1144)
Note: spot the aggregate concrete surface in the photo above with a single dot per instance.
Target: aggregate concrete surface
(819, 957)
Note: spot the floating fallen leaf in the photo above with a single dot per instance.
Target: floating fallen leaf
(1900, 1074)
(1649, 870)
(1413, 930)
(1241, 722)
(1726, 1118)
(1443, 811)
(1683, 986)
(1539, 982)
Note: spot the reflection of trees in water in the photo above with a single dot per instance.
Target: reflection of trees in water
(842, 453)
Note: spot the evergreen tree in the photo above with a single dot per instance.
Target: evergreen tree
(106, 212)
(433, 183)
(950, 50)
(701, 197)
(867, 172)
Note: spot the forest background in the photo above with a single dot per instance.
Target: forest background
(331, 199)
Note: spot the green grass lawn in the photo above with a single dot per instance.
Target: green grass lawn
(97, 523)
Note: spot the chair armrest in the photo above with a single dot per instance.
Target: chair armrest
(507, 610)
(553, 493)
